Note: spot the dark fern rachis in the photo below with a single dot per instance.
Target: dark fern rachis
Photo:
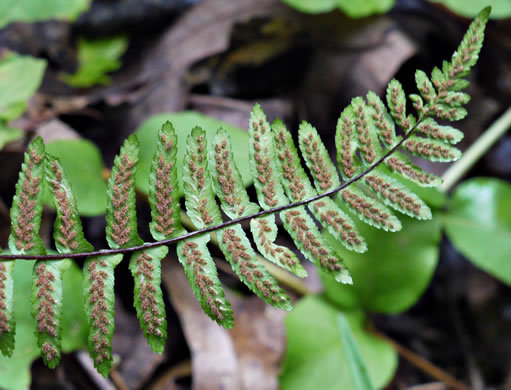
(374, 167)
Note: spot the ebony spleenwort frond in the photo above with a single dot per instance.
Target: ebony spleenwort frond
(370, 155)
(7, 322)
(235, 203)
(298, 187)
(27, 205)
(98, 292)
(270, 193)
(47, 307)
(121, 232)
(26, 213)
(145, 265)
(164, 187)
(227, 180)
(233, 242)
(121, 216)
(399, 163)
(47, 281)
(193, 253)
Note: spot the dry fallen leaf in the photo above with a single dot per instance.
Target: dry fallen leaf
(201, 32)
(214, 362)
(246, 357)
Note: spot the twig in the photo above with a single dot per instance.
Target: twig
(180, 370)
(422, 364)
(118, 380)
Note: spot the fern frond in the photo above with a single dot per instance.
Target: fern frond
(7, 321)
(68, 234)
(339, 224)
(369, 210)
(270, 193)
(145, 267)
(227, 179)
(164, 187)
(312, 244)
(47, 307)
(381, 120)
(294, 179)
(27, 204)
(68, 231)
(193, 253)
(298, 187)
(392, 193)
(201, 273)
(264, 231)
(98, 293)
(297, 222)
(450, 78)
(236, 248)
(396, 100)
(431, 129)
(121, 216)
(401, 164)
(371, 159)
(235, 203)
(368, 144)
(425, 86)
(26, 210)
(233, 242)
(199, 196)
(349, 166)
(317, 159)
(431, 149)
(121, 232)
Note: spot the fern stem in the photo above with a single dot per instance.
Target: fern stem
(222, 225)
(282, 276)
(460, 168)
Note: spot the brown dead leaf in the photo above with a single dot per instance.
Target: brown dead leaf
(259, 340)
(250, 353)
(237, 112)
(361, 56)
(56, 129)
(214, 362)
(138, 362)
(200, 33)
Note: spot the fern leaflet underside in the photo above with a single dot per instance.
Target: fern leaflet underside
(371, 155)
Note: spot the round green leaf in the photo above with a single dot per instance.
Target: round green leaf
(20, 76)
(393, 273)
(500, 9)
(354, 9)
(183, 123)
(478, 223)
(83, 164)
(312, 7)
(360, 9)
(315, 358)
(9, 134)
